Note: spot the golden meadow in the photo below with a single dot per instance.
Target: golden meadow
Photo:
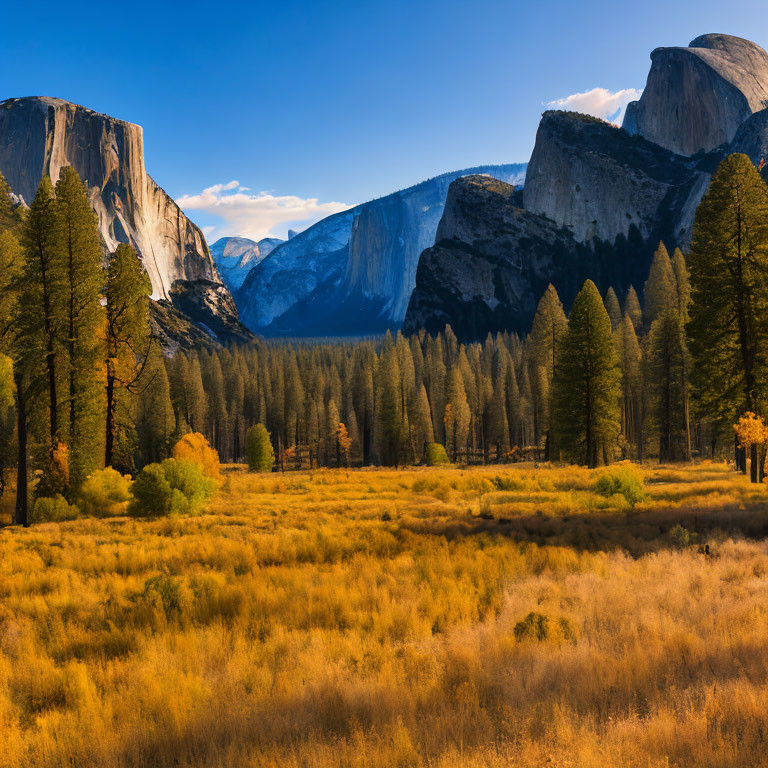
(426, 617)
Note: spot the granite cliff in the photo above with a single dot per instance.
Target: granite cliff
(601, 183)
(597, 198)
(40, 135)
(696, 97)
(353, 272)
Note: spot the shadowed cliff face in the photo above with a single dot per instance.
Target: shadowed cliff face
(599, 182)
(697, 97)
(492, 260)
(351, 273)
(40, 135)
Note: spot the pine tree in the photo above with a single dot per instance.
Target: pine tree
(632, 308)
(666, 366)
(587, 382)
(79, 250)
(195, 396)
(155, 419)
(8, 218)
(331, 432)
(632, 414)
(422, 431)
(547, 331)
(127, 334)
(457, 413)
(728, 264)
(683, 284)
(40, 315)
(13, 389)
(258, 449)
(661, 287)
(613, 308)
(389, 409)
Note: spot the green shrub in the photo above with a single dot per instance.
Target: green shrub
(535, 626)
(173, 487)
(622, 481)
(53, 509)
(538, 626)
(105, 493)
(258, 449)
(436, 455)
(682, 537)
(164, 592)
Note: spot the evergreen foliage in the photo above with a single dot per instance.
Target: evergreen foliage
(258, 448)
(436, 455)
(729, 311)
(587, 383)
(661, 287)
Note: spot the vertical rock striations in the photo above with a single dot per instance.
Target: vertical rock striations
(353, 272)
(40, 135)
(601, 183)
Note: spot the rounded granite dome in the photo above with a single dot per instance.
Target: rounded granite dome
(698, 96)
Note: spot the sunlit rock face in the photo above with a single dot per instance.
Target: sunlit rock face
(696, 97)
(40, 135)
(351, 273)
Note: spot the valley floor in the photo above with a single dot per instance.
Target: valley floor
(372, 618)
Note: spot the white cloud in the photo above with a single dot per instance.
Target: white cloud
(600, 102)
(244, 214)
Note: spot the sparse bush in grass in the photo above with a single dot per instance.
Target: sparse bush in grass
(538, 626)
(53, 509)
(105, 493)
(436, 455)
(258, 449)
(535, 626)
(508, 483)
(622, 481)
(164, 592)
(194, 447)
(173, 487)
(682, 537)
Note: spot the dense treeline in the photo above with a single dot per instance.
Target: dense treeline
(83, 384)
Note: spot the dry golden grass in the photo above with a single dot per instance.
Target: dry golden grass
(368, 619)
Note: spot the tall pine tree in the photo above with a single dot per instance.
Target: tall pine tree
(728, 262)
(587, 382)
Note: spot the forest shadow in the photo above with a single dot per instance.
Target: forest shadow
(635, 532)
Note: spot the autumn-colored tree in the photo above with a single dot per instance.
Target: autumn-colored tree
(194, 447)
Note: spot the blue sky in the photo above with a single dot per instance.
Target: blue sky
(337, 102)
